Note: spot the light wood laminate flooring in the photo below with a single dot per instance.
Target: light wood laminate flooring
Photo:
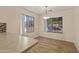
(12, 43)
(47, 45)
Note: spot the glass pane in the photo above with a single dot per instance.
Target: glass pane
(27, 23)
(54, 25)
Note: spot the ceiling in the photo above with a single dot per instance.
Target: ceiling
(41, 9)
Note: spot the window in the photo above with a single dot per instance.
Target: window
(54, 25)
(27, 23)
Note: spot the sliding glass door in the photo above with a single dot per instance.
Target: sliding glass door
(27, 24)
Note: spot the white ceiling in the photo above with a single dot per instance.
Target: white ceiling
(41, 9)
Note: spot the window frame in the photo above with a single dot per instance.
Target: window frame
(24, 23)
(45, 26)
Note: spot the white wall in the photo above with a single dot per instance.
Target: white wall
(76, 27)
(67, 26)
(11, 15)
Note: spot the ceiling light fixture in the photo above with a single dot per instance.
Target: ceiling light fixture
(46, 13)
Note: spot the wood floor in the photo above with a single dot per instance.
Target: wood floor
(47, 45)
